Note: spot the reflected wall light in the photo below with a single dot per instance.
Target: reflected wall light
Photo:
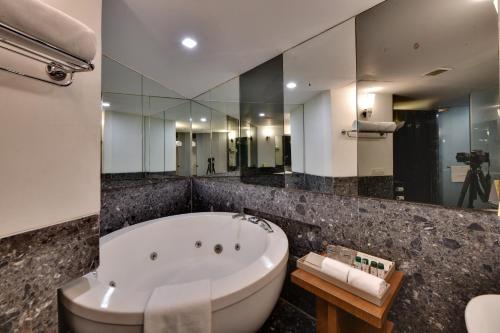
(291, 85)
(365, 104)
(105, 104)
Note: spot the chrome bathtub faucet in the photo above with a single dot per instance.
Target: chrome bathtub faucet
(240, 214)
(261, 222)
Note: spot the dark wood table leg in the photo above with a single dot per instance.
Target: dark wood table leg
(327, 317)
(330, 319)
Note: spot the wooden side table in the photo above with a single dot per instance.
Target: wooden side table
(339, 311)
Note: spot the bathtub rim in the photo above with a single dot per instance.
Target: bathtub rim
(251, 279)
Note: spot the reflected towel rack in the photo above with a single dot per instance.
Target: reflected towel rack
(60, 65)
(365, 134)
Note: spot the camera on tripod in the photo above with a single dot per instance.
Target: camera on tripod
(474, 158)
(476, 182)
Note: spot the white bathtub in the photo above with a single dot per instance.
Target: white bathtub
(245, 283)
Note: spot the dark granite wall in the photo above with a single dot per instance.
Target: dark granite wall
(448, 255)
(127, 202)
(33, 265)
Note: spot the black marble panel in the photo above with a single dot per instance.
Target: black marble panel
(345, 186)
(448, 255)
(125, 203)
(302, 237)
(381, 187)
(136, 175)
(35, 264)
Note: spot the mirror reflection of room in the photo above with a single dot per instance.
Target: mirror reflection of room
(320, 88)
(440, 92)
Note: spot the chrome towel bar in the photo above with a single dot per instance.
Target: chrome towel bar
(59, 64)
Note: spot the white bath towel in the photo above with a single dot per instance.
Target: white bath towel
(335, 269)
(50, 25)
(180, 308)
(374, 126)
(366, 282)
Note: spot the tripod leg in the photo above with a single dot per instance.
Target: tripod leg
(465, 187)
(485, 184)
(472, 190)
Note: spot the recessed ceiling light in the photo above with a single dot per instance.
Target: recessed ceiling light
(262, 114)
(189, 43)
(291, 85)
(203, 120)
(106, 104)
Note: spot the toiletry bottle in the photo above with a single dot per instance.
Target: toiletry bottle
(364, 265)
(330, 251)
(373, 268)
(381, 270)
(357, 262)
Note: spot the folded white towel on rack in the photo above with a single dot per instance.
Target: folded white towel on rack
(374, 126)
(50, 25)
(179, 308)
(366, 282)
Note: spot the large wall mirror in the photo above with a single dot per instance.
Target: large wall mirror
(428, 108)
(152, 131)
(400, 102)
(320, 88)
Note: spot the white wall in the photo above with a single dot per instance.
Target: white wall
(219, 151)
(318, 135)
(202, 153)
(170, 147)
(297, 139)
(266, 149)
(159, 150)
(375, 156)
(50, 141)
(122, 142)
(344, 149)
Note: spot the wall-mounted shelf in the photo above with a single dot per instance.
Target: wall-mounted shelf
(365, 134)
(59, 64)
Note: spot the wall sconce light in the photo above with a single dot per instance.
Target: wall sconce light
(365, 103)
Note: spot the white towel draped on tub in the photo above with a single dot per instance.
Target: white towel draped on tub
(179, 308)
(36, 18)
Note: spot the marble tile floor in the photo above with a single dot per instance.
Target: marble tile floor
(286, 318)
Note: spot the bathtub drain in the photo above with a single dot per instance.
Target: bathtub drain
(153, 256)
(112, 284)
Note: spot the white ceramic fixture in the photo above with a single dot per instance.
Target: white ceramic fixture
(482, 314)
(246, 280)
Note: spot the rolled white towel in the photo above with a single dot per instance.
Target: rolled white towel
(335, 269)
(374, 126)
(368, 283)
(49, 24)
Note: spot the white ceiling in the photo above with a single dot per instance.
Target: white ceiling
(322, 63)
(400, 41)
(233, 36)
